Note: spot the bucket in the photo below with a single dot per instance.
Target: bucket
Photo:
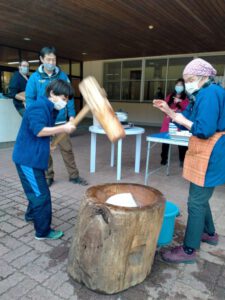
(167, 229)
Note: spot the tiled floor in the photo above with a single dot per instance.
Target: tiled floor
(31, 269)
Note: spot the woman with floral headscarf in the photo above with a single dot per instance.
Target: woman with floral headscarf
(204, 163)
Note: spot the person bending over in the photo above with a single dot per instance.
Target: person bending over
(31, 154)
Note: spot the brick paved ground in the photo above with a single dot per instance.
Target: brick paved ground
(31, 269)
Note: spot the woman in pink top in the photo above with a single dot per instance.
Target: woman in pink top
(177, 101)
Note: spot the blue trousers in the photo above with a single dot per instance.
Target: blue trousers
(199, 215)
(37, 192)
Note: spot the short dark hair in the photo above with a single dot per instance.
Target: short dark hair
(23, 60)
(60, 87)
(47, 50)
(180, 80)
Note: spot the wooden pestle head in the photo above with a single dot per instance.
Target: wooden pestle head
(99, 105)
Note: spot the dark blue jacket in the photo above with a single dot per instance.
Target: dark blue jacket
(36, 87)
(30, 150)
(17, 85)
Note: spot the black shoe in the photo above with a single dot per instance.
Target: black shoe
(163, 162)
(79, 180)
(49, 181)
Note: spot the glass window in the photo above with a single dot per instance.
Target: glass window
(154, 89)
(155, 79)
(131, 70)
(112, 80)
(155, 69)
(176, 67)
(131, 80)
(218, 63)
(160, 76)
(131, 90)
(112, 71)
(75, 68)
(112, 90)
(9, 57)
(64, 64)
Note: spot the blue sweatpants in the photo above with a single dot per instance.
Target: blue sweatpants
(39, 207)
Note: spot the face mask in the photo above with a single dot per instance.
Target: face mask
(24, 70)
(179, 89)
(192, 87)
(49, 67)
(60, 104)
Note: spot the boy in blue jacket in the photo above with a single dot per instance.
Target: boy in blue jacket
(32, 150)
(47, 72)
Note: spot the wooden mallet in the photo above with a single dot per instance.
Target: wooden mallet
(100, 107)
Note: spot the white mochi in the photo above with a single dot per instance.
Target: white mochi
(123, 199)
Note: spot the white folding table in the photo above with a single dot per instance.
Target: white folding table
(138, 131)
(163, 138)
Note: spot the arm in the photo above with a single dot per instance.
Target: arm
(38, 123)
(31, 91)
(181, 120)
(20, 96)
(13, 86)
(176, 117)
(48, 131)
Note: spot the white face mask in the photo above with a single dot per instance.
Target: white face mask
(192, 87)
(60, 104)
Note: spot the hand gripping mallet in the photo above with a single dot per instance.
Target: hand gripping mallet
(100, 107)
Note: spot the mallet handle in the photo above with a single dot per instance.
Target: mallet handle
(75, 122)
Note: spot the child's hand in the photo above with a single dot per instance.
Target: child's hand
(68, 127)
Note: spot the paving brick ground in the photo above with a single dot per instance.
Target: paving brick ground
(31, 269)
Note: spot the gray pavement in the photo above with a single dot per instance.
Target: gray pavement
(31, 269)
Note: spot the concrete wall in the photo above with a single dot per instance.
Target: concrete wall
(94, 68)
(139, 113)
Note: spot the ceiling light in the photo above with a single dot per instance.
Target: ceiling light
(17, 62)
(13, 63)
(84, 53)
(27, 39)
(33, 61)
(150, 27)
